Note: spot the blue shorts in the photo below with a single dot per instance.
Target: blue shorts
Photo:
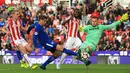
(51, 46)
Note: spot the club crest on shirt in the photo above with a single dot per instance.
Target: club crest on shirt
(36, 33)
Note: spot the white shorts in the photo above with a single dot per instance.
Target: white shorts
(73, 43)
(20, 42)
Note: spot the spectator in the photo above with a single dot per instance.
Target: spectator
(114, 47)
(1, 35)
(118, 37)
(105, 21)
(51, 29)
(99, 47)
(127, 46)
(107, 46)
(2, 20)
(116, 42)
(101, 16)
(56, 22)
(122, 46)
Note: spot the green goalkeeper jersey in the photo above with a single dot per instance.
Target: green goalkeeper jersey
(94, 32)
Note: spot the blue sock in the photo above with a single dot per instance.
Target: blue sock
(19, 55)
(52, 58)
(69, 52)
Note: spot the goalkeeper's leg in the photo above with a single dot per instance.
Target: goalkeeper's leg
(84, 51)
(86, 61)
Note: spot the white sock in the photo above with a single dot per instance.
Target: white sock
(23, 59)
(27, 59)
(63, 56)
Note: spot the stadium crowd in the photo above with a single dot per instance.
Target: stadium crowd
(117, 39)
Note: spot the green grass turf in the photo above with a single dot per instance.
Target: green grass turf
(94, 68)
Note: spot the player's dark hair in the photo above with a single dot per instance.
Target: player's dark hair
(78, 11)
(43, 17)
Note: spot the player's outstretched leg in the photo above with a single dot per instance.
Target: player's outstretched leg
(79, 55)
(28, 62)
(84, 57)
(69, 52)
(63, 56)
(20, 58)
(50, 59)
(88, 63)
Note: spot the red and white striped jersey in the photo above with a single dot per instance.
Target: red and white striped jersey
(14, 29)
(72, 27)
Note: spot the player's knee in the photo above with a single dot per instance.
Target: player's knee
(28, 48)
(16, 49)
(20, 47)
(56, 54)
(59, 48)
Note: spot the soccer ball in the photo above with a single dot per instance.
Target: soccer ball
(85, 56)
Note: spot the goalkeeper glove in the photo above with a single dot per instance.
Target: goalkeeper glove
(81, 28)
(124, 17)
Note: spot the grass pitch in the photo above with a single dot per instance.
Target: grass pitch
(67, 68)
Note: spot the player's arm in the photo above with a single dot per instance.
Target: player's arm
(67, 20)
(123, 18)
(22, 28)
(30, 28)
(35, 38)
(110, 26)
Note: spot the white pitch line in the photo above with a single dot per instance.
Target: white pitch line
(11, 69)
(4, 69)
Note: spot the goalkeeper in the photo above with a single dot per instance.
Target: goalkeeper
(94, 32)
